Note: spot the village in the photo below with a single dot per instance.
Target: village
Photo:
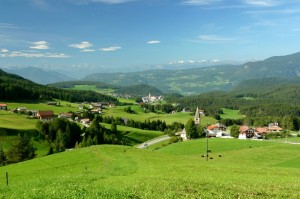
(218, 130)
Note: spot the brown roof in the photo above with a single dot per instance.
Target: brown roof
(45, 113)
(244, 128)
(3, 105)
(261, 129)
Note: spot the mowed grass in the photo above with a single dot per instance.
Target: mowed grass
(262, 171)
(93, 88)
(62, 108)
(135, 136)
(231, 114)
(15, 121)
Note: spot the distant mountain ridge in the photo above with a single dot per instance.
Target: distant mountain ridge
(38, 75)
(205, 79)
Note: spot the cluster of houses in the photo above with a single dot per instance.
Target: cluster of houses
(48, 115)
(245, 132)
(151, 99)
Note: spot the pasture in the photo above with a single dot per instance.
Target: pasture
(231, 114)
(140, 115)
(264, 170)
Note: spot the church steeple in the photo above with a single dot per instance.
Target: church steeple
(197, 117)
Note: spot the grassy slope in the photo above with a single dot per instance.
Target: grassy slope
(141, 116)
(267, 170)
(15, 121)
(135, 135)
(231, 114)
(64, 106)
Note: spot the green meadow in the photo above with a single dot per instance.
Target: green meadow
(139, 115)
(232, 114)
(239, 169)
(93, 88)
(135, 136)
(63, 107)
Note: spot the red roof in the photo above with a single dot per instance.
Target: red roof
(3, 105)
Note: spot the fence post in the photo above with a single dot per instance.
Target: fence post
(6, 178)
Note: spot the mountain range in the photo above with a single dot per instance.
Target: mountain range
(213, 78)
(199, 78)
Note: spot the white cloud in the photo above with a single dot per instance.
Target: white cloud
(4, 50)
(82, 45)
(200, 2)
(40, 45)
(153, 42)
(214, 38)
(112, 48)
(34, 55)
(87, 50)
(262, 3)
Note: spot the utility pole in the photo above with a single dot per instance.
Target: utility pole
(206, 144)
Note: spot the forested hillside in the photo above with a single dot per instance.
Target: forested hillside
(139, 90)
(257, 98)
(14, 87)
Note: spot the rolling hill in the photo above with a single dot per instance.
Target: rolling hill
(235, 169)
(14, 87)
(199, 80)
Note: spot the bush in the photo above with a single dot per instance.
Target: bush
(174, 139)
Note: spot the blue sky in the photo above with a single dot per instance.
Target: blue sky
(116, 34)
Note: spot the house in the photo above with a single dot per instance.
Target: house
(183, 135)
(96, 111)
(45, 115)
(65, 115)
(99, 104)
(85, 121)
(3, 106)
(274, 127)
(216, 130)
(246, 132)
(21, 109)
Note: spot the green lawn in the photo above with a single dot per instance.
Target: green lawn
(15, 121)
(63, 107)
(231, 114)
(135, 136)
(264, 170)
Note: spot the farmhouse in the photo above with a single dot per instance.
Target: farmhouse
(3, 106)
(216, 130)
(274, 127)
(246, 132)
(45, 115)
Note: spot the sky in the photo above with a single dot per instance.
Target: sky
(112, 35)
